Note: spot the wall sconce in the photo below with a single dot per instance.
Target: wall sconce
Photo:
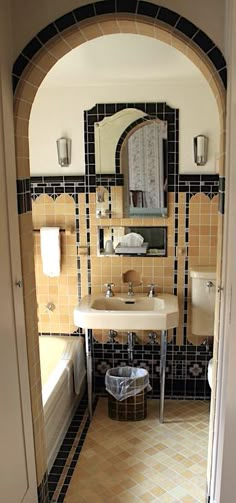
(64, 152)
(200, 149)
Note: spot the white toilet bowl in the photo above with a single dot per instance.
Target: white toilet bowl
(209, 372)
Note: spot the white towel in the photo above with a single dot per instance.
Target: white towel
(50, 250)
(132, 239)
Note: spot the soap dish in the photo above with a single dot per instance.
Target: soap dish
(131, 250)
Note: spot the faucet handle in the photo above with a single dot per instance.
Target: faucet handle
(151, 292)
(109, 292)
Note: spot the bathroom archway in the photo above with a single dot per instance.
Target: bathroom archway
(29, 70)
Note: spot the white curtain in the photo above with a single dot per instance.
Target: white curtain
(145, 154)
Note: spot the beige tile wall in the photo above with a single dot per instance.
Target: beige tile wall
(203, 230)
(61, 291)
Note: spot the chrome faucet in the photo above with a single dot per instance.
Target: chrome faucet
(109, 291)
(151, 292)
(130, 290)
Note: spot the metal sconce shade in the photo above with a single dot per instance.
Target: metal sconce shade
(64, 151)
(200, 148)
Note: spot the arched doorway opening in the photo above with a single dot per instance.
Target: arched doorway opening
(28, 73)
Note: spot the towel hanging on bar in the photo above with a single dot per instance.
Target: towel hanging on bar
(50, 250)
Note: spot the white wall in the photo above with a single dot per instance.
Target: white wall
(57, 112)
(29, 17)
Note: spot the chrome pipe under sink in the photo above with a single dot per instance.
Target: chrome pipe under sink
(131, 342)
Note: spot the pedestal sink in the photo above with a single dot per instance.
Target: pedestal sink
(127, 313)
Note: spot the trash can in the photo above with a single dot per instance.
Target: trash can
(127, 393)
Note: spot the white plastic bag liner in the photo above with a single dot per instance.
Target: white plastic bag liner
(123, 382)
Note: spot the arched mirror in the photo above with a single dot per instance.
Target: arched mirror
(144, 166)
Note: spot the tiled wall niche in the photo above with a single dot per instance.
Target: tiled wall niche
(192, 226)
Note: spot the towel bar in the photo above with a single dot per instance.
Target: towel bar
(68, 231)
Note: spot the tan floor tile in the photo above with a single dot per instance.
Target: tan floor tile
(127, 497)
(167, 498)
(158, 491)
(150, 462)
(188, 499)
(178, 493)
(147, 498)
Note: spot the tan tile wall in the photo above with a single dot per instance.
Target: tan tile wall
(159, 270)
(203, 230)
(62, 290)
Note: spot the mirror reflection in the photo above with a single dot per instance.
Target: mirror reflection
(143, 164)
(133, 144)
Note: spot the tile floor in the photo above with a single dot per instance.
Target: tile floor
(144, 461)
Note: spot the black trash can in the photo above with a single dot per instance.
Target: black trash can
(127, 393)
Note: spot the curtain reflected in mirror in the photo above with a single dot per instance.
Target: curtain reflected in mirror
(147, 174)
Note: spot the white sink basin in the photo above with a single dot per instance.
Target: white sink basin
(127, 313)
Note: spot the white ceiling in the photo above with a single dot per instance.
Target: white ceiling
(121, 58)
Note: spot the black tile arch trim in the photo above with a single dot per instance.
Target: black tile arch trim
(172, 19)
(54, 186)
(154, 110)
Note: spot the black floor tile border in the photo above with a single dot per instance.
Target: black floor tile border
(71, 445)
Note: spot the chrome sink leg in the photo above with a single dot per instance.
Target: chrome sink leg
(88, 349)
(163, 373)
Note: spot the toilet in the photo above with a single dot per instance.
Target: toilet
(203, 304)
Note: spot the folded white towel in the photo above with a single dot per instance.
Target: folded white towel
(50, 250)
(132, 239)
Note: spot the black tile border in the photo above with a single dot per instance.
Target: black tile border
(186, 367)
(172, 19)
(69, 452)
(23, 195)
(42, 490)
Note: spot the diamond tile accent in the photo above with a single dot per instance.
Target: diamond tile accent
(144, 461)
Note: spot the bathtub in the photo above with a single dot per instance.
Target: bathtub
(63, 376)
